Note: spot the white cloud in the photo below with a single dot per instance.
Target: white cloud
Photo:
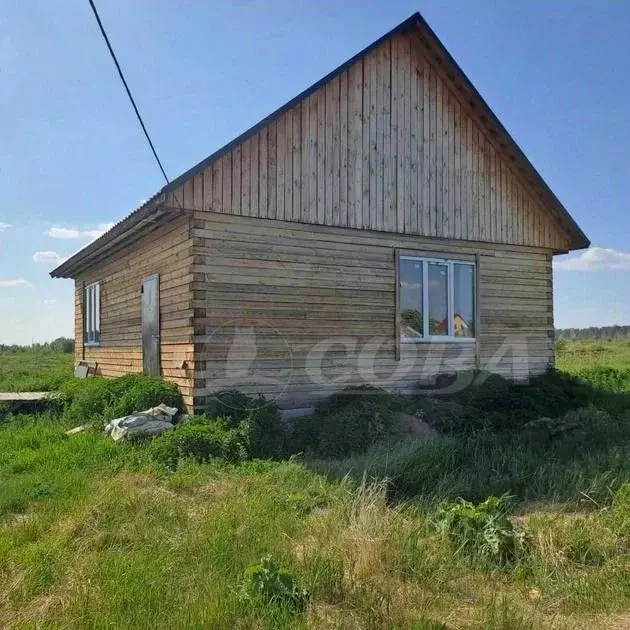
(49, 302)
(48, 257)
(15, 283)
(4, 226)
(57, 232)
(72, 233)
(595, 259)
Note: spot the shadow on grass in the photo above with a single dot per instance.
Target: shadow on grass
(559, 439)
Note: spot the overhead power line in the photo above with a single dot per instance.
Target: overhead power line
(122, 78)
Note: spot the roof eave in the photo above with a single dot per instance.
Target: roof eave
(152, 213)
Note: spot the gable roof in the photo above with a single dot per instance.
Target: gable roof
(151, 207)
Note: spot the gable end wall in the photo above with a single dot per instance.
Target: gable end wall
(387, 145)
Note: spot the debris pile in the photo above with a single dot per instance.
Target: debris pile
(151, 422)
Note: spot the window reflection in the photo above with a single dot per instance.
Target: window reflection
(411, 322)
(438, 299)
(464, 300)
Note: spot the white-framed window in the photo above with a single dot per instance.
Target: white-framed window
(92, 314)
(436, 299)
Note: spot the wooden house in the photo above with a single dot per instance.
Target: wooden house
(382, 227)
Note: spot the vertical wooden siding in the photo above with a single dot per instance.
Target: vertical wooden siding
(168, 252)
(302, 288)
(387, 145)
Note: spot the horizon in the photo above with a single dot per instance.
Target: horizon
(71, 338)
(76, 161)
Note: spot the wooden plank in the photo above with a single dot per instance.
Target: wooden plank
(355, 132)
(296, 148)
(415, 135)
(517, 213)
(329, 154)
(272, 167)
(334, 169)
(436, 154)
(215, 199)
(382, 129)
(339, 237)
(254, 166)
(405, 78)
(312, 160)
(226, 163)
(245, 178)
(530, 221)
(187, 192)
(375, 186)
(17, 397)
(206, 200)
(343, 148)
(487, 210)
(198, 191)
(281, 148)
(398, 119)
(477, 216)
(420, 221)
(237, 200)
(305, 166)
(467, 224)
(452, 166)
(443, 135)
(263, 174)
(502, 235)
(321, 157)
(426, 163)
(498, 225)
(288, 166)
(458, 144)
(365, 168)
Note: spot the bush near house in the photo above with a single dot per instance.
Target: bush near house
(267, 435)
(202, 439)
(347, 423)
(99, 400)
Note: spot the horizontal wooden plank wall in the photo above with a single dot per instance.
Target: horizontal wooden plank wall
(168, 252)
(298, 311)
(388, 145)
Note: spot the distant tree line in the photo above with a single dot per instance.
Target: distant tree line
(594, 332)
(61, 344)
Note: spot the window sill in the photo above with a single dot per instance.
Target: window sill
(92, 344)
(434, 340)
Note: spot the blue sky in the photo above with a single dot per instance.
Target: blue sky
(73, 159)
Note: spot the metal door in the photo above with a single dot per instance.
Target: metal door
(151, 325)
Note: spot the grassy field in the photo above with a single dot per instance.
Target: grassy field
(95, 534)
(34, 371)
(576, 355)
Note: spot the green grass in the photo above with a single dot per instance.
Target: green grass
(582, 472)
(91, 535)
(95, 534)
(573, 356)
(34, 371)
